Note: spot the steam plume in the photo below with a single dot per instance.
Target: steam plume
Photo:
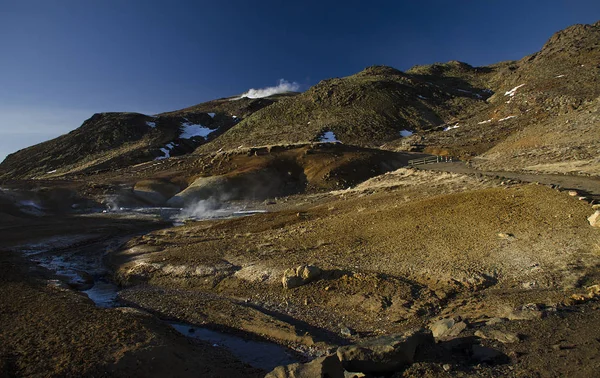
(282, 87)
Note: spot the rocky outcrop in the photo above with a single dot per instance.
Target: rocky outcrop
(299, 276)
(329, 366)
(447, 327)
(384, 354)
(155, 191)
(594, 219)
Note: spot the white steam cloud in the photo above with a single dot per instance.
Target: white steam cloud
(282, 87)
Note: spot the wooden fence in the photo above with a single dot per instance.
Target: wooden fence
(430, 160)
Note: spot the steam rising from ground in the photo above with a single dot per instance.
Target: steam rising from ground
(282, 87)
(202, 209)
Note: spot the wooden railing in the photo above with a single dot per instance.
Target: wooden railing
(430, 160)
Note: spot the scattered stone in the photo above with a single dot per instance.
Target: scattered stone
(485, 354)
(347, 332)
(573, 193)
(594, 219)
(299, 276)
(583, 198)
(505, 235)
(446, 367)
(596, 206)
(526, 312)
(329, 366)
(447, 327)
(350, 374)
(503, 337)
(384, 354)
(494, 321)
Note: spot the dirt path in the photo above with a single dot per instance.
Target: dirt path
(589, 186)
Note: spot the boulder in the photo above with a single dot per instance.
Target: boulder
(384, 354)
(299, 276)
(155, 191)
(202, 188)
(447, 327)
(329, 366)
(494, 334)
(484, 354)
(594, 219)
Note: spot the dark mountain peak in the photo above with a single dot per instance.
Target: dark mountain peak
(379, 71)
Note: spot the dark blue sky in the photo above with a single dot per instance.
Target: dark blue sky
(61, 61)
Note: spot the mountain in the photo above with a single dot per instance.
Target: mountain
(533, 114)
(116, 140)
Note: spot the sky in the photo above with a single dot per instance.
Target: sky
(63, 60)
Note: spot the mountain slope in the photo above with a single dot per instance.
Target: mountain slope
(116, 140)
(545, 108)
(366, 109)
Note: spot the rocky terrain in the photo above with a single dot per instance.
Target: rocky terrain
(294, 236)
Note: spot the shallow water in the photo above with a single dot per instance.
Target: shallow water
(258, 354)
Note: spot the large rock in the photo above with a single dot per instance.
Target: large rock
(329, 367)
(447, 327)
(203, 188)
(494, 334)
(594, 219)
(155, 191)
(299, 276)
(384, 354)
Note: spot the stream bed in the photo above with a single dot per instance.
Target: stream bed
(82, 269)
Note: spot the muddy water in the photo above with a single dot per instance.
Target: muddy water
(258, 354)
(82, 269)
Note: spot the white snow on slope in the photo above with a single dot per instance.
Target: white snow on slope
(405, 133)
(451, 127)
(513, 91)
(151, 124)
(482, 122)
(560, 76)
(506, 118)
(190, 130)
(421, 97)
(329, 137)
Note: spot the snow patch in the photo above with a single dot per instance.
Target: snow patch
(483, 122)
(52, 171)
(329, 137)
(405, 133)
(151, 124)
(560, 76)
(190, 130)
(507, 118)
(452, 127)
(421, 97)
(513, 91)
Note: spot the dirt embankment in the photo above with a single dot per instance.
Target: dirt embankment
(397, 251)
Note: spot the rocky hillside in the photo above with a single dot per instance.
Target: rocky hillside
(544, 111)
(116, 140)
(377, 105)
(539, 113)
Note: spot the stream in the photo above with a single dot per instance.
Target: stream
(82, 269)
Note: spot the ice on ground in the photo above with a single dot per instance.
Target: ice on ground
(507, 118)
(513, 91)
(52, 171)
(560, 76)
(405, 133)
(483, 122)
(151, 124)
(190, 130)
(212, 115)
(329, 137)
(452, 127)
